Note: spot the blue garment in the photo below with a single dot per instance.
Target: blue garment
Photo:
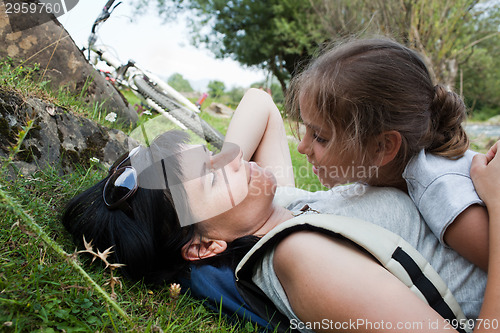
(218, 287)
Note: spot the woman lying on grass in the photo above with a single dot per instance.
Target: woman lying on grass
(180, 204)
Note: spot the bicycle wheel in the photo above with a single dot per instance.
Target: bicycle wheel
(190, 119)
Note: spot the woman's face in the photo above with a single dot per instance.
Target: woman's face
(223, 188)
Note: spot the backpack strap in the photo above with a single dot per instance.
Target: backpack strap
(389, 249)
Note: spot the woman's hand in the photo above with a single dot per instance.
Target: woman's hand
(492, 152)
(485, 174)
(258, 129)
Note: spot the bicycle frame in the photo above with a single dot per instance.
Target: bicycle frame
(125, 75)
(159, 95)
(130, 69)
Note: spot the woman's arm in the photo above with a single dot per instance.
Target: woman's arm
(257, 128)
(332, 282)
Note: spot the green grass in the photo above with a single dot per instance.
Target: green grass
(29, 81)
(44, 286)
(42, 290)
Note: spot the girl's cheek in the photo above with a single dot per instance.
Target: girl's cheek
(319, 154)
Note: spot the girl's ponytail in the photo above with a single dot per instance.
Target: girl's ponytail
(448, 137)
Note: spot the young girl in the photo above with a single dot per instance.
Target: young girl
(373, 115)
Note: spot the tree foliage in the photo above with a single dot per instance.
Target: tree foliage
(479, 80)
(443, 32)
(280, 35)
(235, 95)
(216, 88)
(179, 83)
(275, 34)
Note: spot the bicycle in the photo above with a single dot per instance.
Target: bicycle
(156, 93)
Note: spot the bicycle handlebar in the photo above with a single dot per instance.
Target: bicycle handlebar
(104, 15)
(109, 4)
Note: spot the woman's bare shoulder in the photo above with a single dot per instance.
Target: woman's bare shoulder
(327, 278)
(312, 250)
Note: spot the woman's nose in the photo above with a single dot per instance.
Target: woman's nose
(236, 162)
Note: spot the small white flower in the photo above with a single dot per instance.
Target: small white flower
(111, 117)
(94, 160)
(174, 290)
(147, 112)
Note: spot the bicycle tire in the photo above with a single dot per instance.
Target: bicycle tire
(191, 120)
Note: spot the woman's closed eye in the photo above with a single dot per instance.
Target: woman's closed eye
(214, 177)
(210, 173)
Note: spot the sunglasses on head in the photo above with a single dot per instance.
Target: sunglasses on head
(122, 181)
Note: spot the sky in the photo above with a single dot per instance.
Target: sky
(162, 48)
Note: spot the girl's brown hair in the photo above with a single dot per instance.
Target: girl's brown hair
(364, 87)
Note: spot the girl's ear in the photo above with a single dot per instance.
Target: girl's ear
(388, 145)
(202, 248)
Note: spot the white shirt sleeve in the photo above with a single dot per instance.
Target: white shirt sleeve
(441, 189)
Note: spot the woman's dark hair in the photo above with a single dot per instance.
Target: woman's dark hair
(148, 238)
(364, 87)
(148, 244)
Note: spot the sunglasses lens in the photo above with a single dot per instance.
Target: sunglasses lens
(120, 185)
